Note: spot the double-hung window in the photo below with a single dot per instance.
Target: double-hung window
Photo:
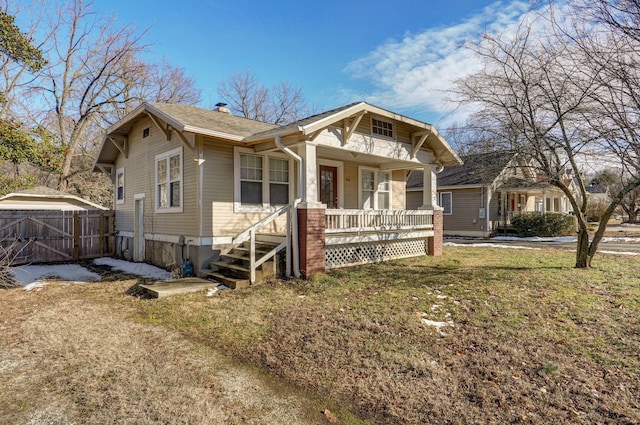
(445, 200)
(251, 172)
(120, 186)
(262, 181)
(169, 181)
(375, 189)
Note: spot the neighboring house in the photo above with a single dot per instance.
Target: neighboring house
(481, 196)
(44, 198)
(220, 189)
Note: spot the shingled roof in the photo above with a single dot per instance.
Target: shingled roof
(478, 169)
(194, 118)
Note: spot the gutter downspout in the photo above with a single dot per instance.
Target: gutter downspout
(294, 214)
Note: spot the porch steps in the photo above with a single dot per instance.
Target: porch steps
(233, 268)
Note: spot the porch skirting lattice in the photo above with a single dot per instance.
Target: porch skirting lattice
(373, 252)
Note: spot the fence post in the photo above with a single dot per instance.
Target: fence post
(76, 236)
(101, 218)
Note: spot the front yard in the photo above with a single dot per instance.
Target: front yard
(475, 336)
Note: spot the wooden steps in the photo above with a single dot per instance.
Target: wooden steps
(233, 269)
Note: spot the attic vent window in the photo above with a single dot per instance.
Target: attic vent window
(145, 132)
(382, 128)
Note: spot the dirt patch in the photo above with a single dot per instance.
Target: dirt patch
(67, 359)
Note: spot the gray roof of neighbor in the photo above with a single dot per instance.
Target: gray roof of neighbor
(478, 169)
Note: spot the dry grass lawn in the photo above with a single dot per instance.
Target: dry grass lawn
(527, 339)
(74, 354)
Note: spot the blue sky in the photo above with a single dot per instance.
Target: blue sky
(398, 55)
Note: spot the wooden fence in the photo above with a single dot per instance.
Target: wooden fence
(56, 236)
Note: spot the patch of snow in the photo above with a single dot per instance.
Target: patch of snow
(560, 239)
(211, 292)
(564, 239)
(435, 324)
(619, 252)
(34, 276)
(139, 269)
(621, 240)
(488, 245)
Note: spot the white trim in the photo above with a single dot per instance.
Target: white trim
(376, 171)
(158, 237)
(165, 156)
(340, 166)
(375, 237)
(139, 196)
(266, 206)
(118, 171)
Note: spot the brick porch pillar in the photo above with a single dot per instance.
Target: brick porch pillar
(311, 225)
(434, 243)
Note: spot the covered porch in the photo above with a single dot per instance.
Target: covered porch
(528, 198)
(350, 188)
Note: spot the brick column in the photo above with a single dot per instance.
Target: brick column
(434, 244)
(311, 225)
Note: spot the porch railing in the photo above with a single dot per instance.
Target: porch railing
(345, 221)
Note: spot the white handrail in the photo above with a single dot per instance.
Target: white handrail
(250, 235)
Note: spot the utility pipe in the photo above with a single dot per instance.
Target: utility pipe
(294, 215)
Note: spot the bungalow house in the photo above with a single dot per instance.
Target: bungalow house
(229, 193)
(481, 196)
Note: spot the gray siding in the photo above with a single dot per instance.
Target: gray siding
(465, 209)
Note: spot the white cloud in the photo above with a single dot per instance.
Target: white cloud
(416, 72)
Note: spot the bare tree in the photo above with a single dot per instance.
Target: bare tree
(94, 75)
(248, 97)
(543, 95)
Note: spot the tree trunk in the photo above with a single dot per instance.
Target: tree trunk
(583, 260)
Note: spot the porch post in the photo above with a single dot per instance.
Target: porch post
(430, 202)
(311, 216)
(310, 174)
(429, 188)
(311, 240)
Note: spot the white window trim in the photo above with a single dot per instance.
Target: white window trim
(266, 207)
(375, 192)
(165, 156)
(340, 166)
(450, 202)
(394, 128)
(120, 201)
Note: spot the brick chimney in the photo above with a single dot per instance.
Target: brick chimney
(222, 107)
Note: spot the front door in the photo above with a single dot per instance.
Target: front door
(329, 186)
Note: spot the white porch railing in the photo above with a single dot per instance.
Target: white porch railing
(346, 221)
(250, 235)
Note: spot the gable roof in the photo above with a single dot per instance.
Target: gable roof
(478, 169)
(307, 126)
(42, 197)
(187, 118)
